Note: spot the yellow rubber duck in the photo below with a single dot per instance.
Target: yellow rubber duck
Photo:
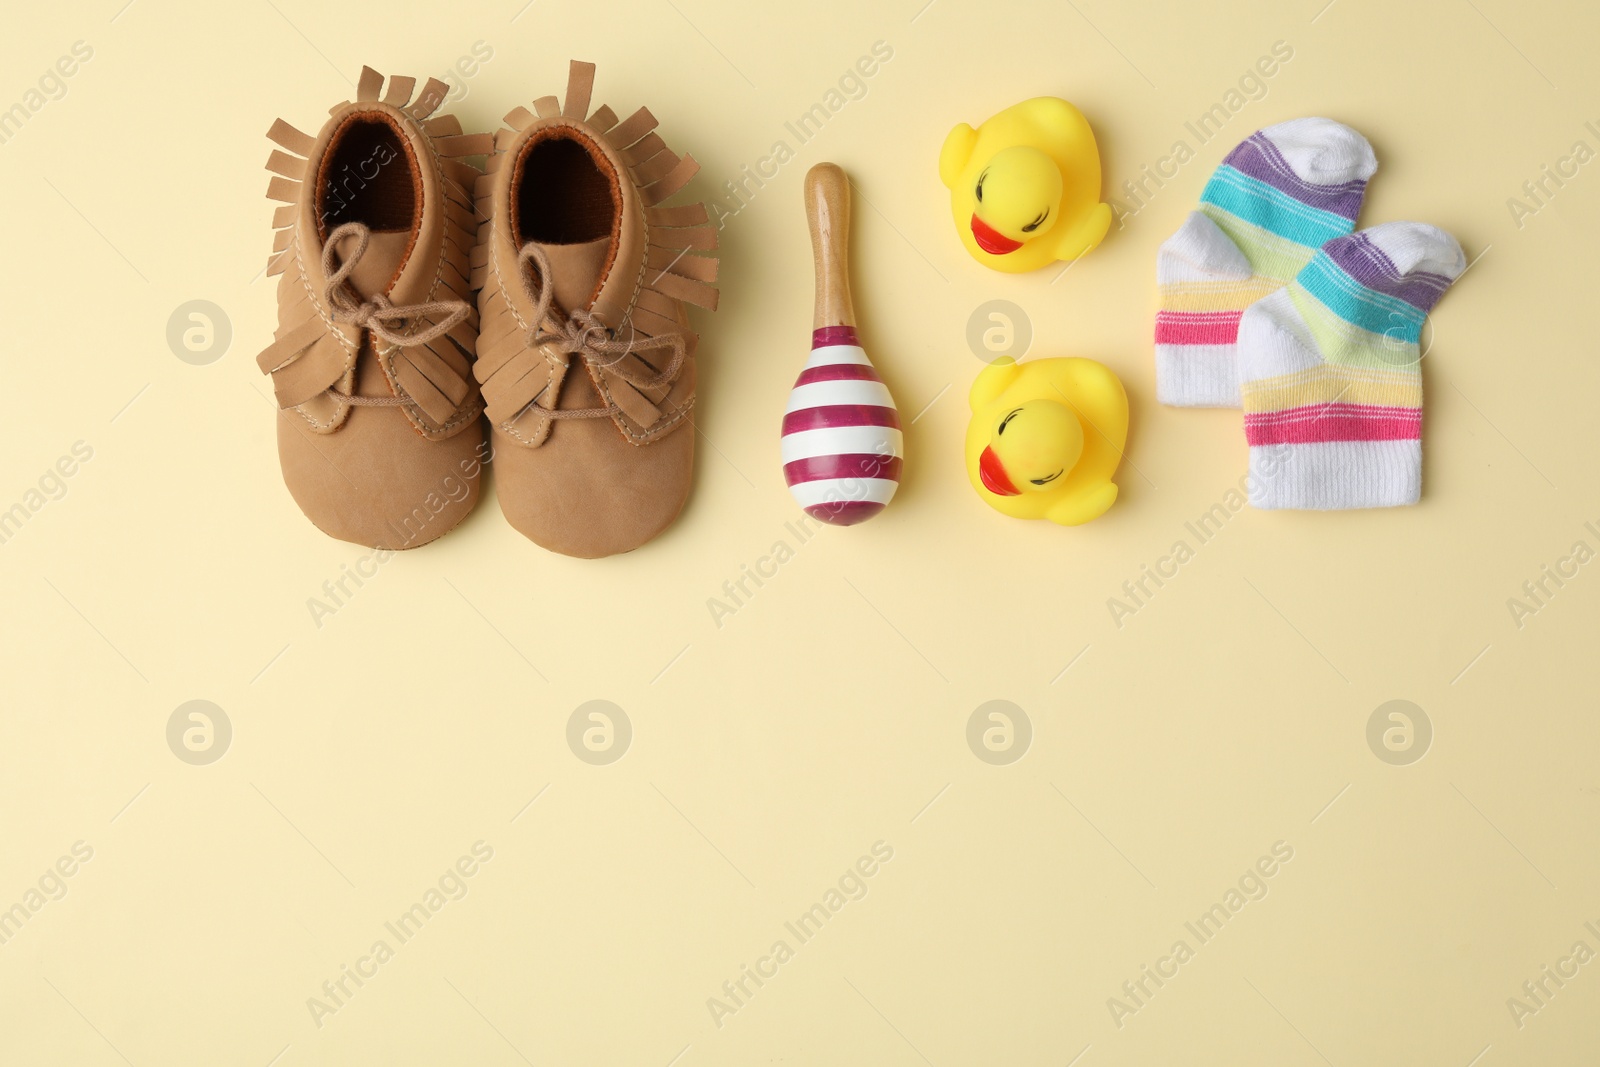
(1045, 438)
(1025, 186)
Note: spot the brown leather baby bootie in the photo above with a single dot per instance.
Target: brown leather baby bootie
(586, 358)
(379, 432)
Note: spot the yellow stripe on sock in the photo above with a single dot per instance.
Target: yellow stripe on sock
(1216, 296)
(1333, 385)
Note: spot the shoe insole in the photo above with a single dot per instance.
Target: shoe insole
(561, 195)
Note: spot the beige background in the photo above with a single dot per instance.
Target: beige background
(830, 711)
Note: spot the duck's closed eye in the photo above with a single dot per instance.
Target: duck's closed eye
(1036, 223)
(1009, 416)
(979, 191)
(1045, 480)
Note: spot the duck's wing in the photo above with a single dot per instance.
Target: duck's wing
(956, 152)
(993, 380)
(1081, 239)
(1076, 509)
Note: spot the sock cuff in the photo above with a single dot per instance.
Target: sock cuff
(1198, 375)
(1336, 475)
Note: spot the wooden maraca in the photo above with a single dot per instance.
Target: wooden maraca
(842, 445)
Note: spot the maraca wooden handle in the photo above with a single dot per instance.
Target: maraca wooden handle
(827, 192)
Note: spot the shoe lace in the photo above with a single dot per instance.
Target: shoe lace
(377, 314)
(582, 334)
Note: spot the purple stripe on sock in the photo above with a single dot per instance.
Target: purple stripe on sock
(1259, 158)
(1364, 261)
(834, 335)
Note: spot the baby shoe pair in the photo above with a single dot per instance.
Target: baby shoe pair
(548, 291)
(1270, 302)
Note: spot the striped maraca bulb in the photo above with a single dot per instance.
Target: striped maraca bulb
(841, 433)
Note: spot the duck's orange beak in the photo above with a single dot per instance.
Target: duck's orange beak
(994, 476)
(992, 240)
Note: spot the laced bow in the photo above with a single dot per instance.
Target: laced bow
(582, 334)
(377, 314)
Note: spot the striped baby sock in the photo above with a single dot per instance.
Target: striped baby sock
(1278, 197)
(1330, 371)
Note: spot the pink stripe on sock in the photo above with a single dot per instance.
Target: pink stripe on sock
(1317, 423)
(1197, 327)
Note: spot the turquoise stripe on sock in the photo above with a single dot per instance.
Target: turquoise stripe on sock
(1261, 205)
(1372, 311)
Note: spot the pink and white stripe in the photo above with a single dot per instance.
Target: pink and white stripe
(1197, 327)
(1317, 423)
(842, 446)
